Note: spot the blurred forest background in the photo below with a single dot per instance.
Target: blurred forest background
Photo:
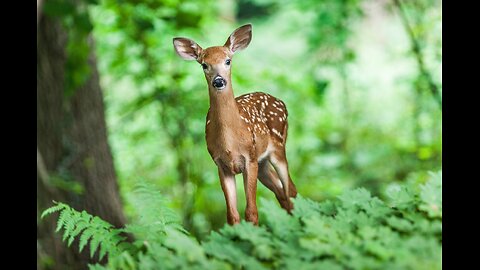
(116, 106)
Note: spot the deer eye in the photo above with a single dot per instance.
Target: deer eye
(204, 66)
(227, 62)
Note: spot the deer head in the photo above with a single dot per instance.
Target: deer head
(216, 61)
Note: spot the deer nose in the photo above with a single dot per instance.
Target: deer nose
(219, 82)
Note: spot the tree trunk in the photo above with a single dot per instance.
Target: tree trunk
(72, 146)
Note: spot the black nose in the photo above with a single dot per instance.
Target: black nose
(219, 82)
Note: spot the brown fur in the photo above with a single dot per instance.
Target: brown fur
(246, 134)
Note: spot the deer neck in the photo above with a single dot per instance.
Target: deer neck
(223, 107)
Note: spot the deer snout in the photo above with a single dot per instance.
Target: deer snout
(219, 82)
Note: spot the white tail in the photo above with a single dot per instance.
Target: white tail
(246, 134)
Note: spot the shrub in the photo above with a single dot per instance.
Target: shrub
(356, 231)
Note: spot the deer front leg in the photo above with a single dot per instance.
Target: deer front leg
(250, 183)
(227, 180)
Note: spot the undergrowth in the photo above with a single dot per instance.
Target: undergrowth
(355, 231)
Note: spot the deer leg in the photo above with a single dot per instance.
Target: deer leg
(227, 180)
(279, 162)
(250, 183)
(270, 179)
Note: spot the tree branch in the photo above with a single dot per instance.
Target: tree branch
(42, 171)
(39, 9)
(418, 53)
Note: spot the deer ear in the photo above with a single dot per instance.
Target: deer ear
(187, 48)
(239, 39)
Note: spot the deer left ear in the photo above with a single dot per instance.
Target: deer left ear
(240, 38)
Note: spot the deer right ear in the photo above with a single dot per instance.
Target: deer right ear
(187, 48)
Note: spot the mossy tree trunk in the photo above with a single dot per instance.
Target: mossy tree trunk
(72, 148)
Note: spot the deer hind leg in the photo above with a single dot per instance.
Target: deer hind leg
(279, 162)
(269, 178)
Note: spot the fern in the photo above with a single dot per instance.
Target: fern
(53, 209)
(86, 227)
(154, 216)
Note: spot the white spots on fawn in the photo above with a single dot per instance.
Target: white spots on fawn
(277, 133)
(257, 111)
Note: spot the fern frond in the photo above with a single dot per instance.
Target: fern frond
(101, 234)
(103, 250)
(82, 223)
(53, 209)
(94, 243)
(69, 225)
(86, 235)
(155, 213)
(62, 218)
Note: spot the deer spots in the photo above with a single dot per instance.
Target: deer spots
(245, 119)
(277, 133)
(263, 114)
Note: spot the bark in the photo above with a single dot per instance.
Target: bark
(71, 142)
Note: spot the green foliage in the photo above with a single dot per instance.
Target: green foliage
(344, 69)
(359, 116)
(356, 231)
(87, 228)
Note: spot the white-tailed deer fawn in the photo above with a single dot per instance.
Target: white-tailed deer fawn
(244, 134)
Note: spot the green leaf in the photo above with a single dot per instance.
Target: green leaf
(431, 196)
(305, 207)
(358, 197)
(64, 216)
(94, 243)
(86, 235)
(53, 209)
(400, 196)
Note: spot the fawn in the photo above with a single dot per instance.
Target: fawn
(244, 134)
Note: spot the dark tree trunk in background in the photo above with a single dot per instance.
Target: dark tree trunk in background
(72, 144)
